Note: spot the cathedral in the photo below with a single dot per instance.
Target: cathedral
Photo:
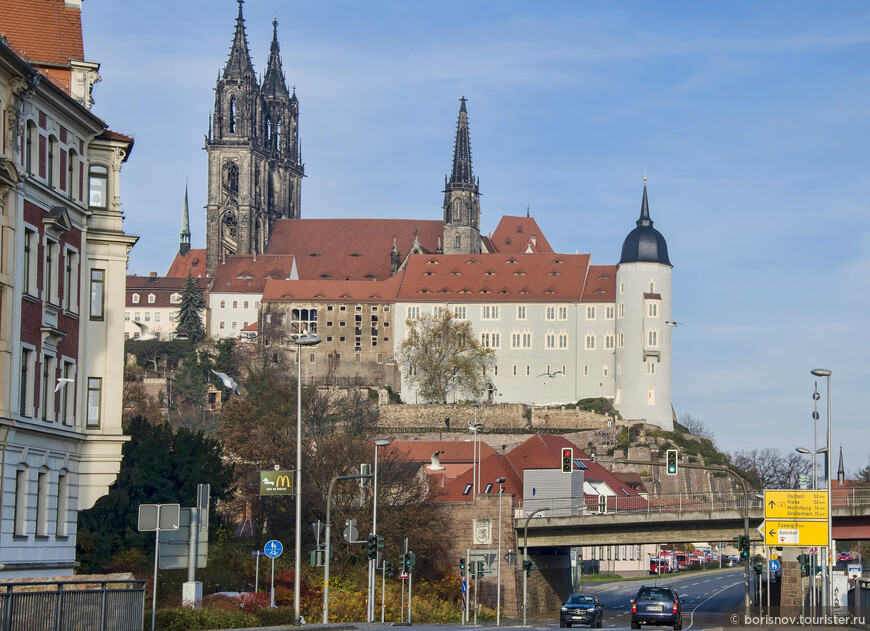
(562, 328)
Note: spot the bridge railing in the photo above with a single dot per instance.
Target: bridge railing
(673, 502)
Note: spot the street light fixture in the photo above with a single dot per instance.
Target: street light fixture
(829, 591)
(301, 340)
(373, 563)
(812, 452)
(500, 482)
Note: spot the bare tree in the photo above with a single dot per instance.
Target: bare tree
(769, 468)
(696, 426)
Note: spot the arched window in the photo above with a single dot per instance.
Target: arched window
(52, 152)
(268, 129)
(231, 178)
(98, 184)
(28, 148)
(71, 168)
(457, 241)
(232, 114)
(278, 135)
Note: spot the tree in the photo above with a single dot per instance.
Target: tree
(768, 468)
(696, 426)
(189, 311)
(160, 466)
(441, 354)
(863, 476)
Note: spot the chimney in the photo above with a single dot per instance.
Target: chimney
(152, 275)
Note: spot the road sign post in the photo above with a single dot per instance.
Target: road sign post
(273, 550)
(154, 518)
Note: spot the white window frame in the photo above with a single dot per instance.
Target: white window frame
(590, 312)
(550, 312)
(652, 338)
(562, 312)
(652, 309)
(521, 312)
(609, 312)
(590, 342)
(94, 403)
(71, 281)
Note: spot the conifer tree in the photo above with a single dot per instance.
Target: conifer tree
(189, 319)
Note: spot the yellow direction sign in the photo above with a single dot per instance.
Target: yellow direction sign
(795, 504)
(795, 533)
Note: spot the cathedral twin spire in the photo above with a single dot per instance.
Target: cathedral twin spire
(239, 64)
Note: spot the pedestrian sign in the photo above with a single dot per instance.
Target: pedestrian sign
(774, 565)
(273, 549)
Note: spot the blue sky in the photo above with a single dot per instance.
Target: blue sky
(751, 121)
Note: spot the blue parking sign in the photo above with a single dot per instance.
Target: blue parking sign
(273, 549)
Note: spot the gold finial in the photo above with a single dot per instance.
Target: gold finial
(644, 174)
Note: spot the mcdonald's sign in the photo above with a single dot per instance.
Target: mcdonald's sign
(277, 483)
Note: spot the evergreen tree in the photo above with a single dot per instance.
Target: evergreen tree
(189, 312)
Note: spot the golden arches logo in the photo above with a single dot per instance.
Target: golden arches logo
(283, 480)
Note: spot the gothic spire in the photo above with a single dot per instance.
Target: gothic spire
(239, 63)
(462, 151)
(184, 242)
(841, 471)
(273, 82)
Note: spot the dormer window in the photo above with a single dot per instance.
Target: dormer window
(135, 299)
(151, 299)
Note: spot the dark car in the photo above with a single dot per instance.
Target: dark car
(581, 609)
(658, 606)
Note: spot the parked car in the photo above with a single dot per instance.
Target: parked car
(660, 606)
(582, 609)
(845, 556)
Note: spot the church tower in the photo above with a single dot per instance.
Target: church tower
(644, 325)
(184, 237)
(461, 196)
(254, 164)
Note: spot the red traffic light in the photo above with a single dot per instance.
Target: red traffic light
(567, 459)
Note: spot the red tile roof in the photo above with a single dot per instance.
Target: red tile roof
(350, 249)
(44, 31)
(455, 456)
(490, 469)
(494, 277)
(250, 273)
(333, 290)
(161, 287)
(193, 262)
(600, 284)
(519, 234)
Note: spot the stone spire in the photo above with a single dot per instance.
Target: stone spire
(184, 242)
(273, 82)
(239, 63)
(462, 151)
(841, 472)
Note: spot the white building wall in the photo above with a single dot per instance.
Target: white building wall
(644, 369)
(232, 312)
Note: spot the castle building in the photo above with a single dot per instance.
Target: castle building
(563, 329)
(61, 289)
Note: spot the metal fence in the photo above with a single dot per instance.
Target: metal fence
(72, 606)
(675, 502)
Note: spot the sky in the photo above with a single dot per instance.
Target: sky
(750, 120)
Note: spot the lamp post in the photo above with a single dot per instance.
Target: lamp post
(500, 482)
(302, 340)
(373, 563)
(526, 558)
(812, 452)
(829, 592)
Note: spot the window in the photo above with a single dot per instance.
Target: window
(19, 515)
(521, 312)
(47, 388)
(521, 339)
(620, 339)
(413, 313)
(550, 312)
(604, 371)
(488, 488)
(97, 298)
(619, 368)
(126, 316)
(71, 167)
(609, 341)
(151, 299)
(528, 370)
(25, 389)
(137, 316)
(650, 368)
(621, 288)
(52, 152)
(147, 316)
(223, 304)
(245, 304)
(67, 394)
(135, 299)
(489, 312)
(608, 313)
(467, 486)
(95, 392)
(235, 304)
(590, 342)
(550, 341)
(565, 374)
(71, 282)
(62, 505)
(651, 396)
(157, 316)
(585, 370)
(652, 309)
(41, 503)
(30, 252)
(563, 342)
(515, 371)
(374, 340)
(50, 278)
(174, 299)
(563, 313)
(652, 338)
(28, 148)
(459, 313)
(621, 310)
(652, 287)
(98, 184)
(590, 313)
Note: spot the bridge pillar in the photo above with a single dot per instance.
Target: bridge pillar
(549, 585)
(791, 593)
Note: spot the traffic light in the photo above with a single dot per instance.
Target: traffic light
(372, 546)
(672, 462)
(388, 569)
(406, 561)
(757, 569)
(528, 566)
(742, 544)
(804, 560)
(462, 566)
(412, 561)
(567, 460)
(480, 569)
(379, 543)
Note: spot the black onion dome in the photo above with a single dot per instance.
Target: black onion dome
(645, 244)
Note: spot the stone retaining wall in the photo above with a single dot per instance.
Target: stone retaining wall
(510, 416)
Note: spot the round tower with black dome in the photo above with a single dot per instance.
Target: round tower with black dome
(643, 325)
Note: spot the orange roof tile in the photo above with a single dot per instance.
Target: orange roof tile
(350, 249)
(46, 31)
(519, 234)
(494, 277)
(490, 468)
(193, 262)
(600, 284)
(161, 287)
(250, 273)
(333, 290)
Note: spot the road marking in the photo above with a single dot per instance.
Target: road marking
(692, 613)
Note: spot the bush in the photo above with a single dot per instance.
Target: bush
(183, 618)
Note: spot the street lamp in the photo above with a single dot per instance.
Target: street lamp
(526, 558)
(812, 452)
(500, 482)
(303, 339)
(373, 563)
(829, 591)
